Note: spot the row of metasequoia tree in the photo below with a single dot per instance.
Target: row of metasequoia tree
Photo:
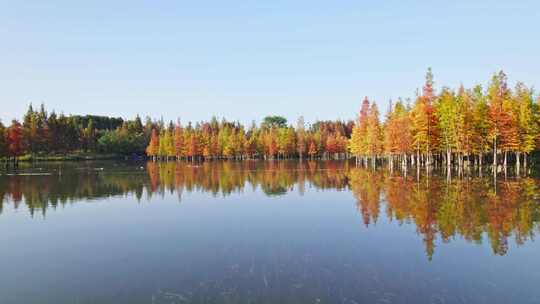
(273, 139)
(462, 128)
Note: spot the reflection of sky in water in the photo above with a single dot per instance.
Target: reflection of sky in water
(248, 247)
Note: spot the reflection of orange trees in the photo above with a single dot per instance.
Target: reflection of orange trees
(511, 210)
(459, 208)
(223, 178)
(471, 208)
(366, 188)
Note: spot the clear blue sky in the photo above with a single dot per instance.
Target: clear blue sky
(244, 60)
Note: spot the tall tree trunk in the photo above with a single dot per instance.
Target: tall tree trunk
(518, 165)
(495, 153)
(480, 158)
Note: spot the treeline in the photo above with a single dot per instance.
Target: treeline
(41, 134)
(461, 128)
(273, 139)
(44, 134)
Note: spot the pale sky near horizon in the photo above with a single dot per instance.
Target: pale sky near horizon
(244, 60)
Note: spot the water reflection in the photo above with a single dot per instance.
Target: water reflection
(469, 208)
(224, 178)
(472, 208)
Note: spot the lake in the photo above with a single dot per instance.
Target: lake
(264, 232)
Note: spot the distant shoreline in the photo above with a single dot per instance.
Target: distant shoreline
(73, 157)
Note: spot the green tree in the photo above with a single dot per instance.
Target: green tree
(527, 122)
(274, 122)
(465, 124)
(89, 137)
(179, 140)
(358, 143)
(481, 124)
(30, 130)
(374, 134)
(447, 117)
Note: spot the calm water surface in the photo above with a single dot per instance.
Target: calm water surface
(263, 232)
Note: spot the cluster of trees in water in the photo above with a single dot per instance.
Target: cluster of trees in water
(441, 209)
(457, 128)
(461, 128)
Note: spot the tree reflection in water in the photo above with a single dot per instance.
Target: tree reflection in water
(469, 207)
